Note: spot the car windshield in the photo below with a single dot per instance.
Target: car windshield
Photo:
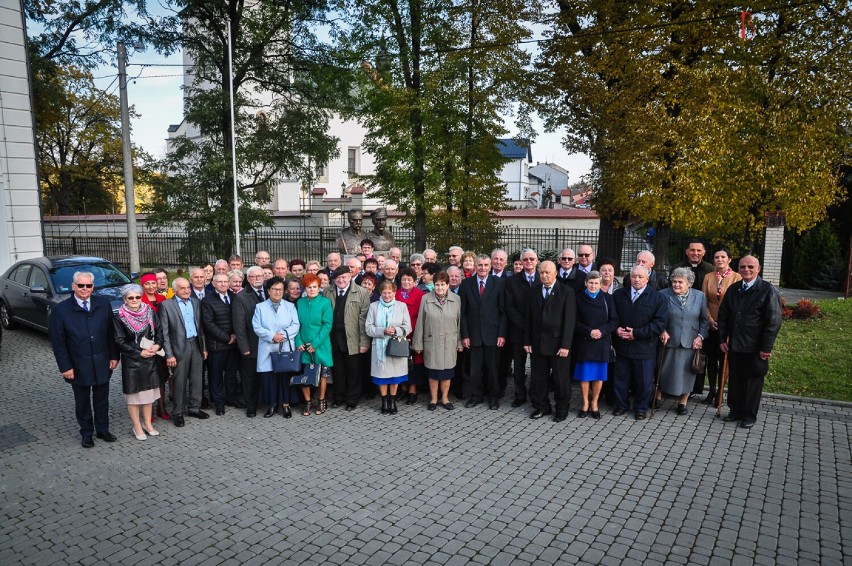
(106, 275)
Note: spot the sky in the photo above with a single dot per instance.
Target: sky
(155, 94)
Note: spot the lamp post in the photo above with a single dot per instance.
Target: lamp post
(233, 142)
(127, 154)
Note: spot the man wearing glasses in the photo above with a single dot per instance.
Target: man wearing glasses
(82, 335)
(585, 258)
(568, 273)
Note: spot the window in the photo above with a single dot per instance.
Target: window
(321, 173)
(21, 274)
(38, 278)
(353, 155)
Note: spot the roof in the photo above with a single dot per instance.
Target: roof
(318, 191)
(173, 128)
(515, 149)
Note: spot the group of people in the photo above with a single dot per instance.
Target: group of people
(377, 325)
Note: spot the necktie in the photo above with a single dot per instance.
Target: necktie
(546, 293)
(635, 296)
(530, 278)
(226, 299)
(200, 294)
(481, 288)
(260, 294)
(86, 306)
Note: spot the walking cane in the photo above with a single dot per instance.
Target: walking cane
(722, 386)
(661, 357)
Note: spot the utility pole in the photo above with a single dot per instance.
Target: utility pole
(129, 197)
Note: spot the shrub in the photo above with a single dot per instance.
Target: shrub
(803, 310)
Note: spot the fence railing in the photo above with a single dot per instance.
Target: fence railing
(173, 250)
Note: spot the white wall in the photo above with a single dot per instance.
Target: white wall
(515, 175)
(20, 220)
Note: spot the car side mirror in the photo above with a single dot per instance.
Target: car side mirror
(38, 289)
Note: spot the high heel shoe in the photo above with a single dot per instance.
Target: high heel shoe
(270, 411)
(285, 412)
(139, 436)
(151, 431)
(322, 406)
(163, 414)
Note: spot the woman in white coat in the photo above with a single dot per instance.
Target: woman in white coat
(386, 318)
(275, 322)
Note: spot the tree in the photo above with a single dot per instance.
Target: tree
(79, 142)
(432, 103)
(283, 94)
(692, 126)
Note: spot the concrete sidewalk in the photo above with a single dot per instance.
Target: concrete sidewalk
(443, 487)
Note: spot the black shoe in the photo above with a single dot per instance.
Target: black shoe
(237, 405)
(596, 415)
(731, 417)
(392, 405)
(220, 411)
(199, 415)
(87, 442)
(286, 412)
(640, 416)
(681, 409)
(178, 420)
(432, 406)
(518, 403)
(335, 404)
(711, 398)
(656, 404)
(558, 418)
(471, 403)
(270, 411)
(412, 399)
(350, 407)
(493, 405)
(582, 414)
(106, 436)
(747, 423)
(251, 414)
(385, 404)
(619, 411)
(448, 406)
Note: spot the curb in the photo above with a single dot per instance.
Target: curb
(816, 401)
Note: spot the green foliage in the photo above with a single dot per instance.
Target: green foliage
(282, 96)
(432, 104)
(818, 263)
(692, 127)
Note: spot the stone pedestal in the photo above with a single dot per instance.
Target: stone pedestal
(773, 246)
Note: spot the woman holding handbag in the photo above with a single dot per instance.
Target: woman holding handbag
(387, 321)
(314, 338)
(276, 324)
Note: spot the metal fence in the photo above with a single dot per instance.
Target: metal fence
(173, 250)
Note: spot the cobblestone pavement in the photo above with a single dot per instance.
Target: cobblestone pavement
(470, 485)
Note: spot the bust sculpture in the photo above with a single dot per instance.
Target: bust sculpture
(349, 239)
(383, 240)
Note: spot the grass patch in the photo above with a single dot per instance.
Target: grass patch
(813, 358)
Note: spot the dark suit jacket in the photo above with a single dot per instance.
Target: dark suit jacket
(84, 341)
(242, 311)
(550, 323)
(598, 313)
(216, 318)
(647, 318)
(517, 301)
(576, 280)
(483, 319)
(751, 319)
(174, 332)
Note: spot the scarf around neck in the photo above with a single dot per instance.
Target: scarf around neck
(137, 320)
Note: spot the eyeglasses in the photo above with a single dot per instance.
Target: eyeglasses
(86, 285)
(584, 255)
(134, 298)
(416, 264)
(276, 289)
(748, 267)
(563, 258)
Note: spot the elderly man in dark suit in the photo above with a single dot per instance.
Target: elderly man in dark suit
(483, 331)
(221, 344)
(568, 273)
(183, 343)
(242, 311)
(82, 335)
(517, 300)
(749, 321)
(549, 333)
(642, 312)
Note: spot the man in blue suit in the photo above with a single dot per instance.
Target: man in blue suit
(642, 312)
(81, 332)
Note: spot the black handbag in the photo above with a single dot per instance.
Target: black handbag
(310, 376)
(286, 362)
(397, 347)
(699, 362)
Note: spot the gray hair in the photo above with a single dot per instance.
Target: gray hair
(78, 274)
(417, 257)
(593, 274)
(452, 269)
(647, 253)
(528, 251)
(684, 273)
(132, 288)
(452, 248)
(254, 269)
(181, 280)
(644, 269)
(235, 273)
(218, 261)
(429, 250)
(499, 251)
(480, 257)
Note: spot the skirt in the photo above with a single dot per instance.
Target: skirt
(145, 397)
(389, 380)
(676, 376)
(590, 371)
(441, 374)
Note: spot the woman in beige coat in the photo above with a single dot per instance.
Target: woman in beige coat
(436, 336)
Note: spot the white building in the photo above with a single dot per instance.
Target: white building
(515, 173)
(20, 220)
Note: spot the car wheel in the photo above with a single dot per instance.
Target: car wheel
(6, 317)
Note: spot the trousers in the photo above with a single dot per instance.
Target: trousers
(86, 399)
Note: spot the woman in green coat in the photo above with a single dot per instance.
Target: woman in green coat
(314, 337)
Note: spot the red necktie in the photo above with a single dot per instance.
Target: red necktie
(481, 288)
